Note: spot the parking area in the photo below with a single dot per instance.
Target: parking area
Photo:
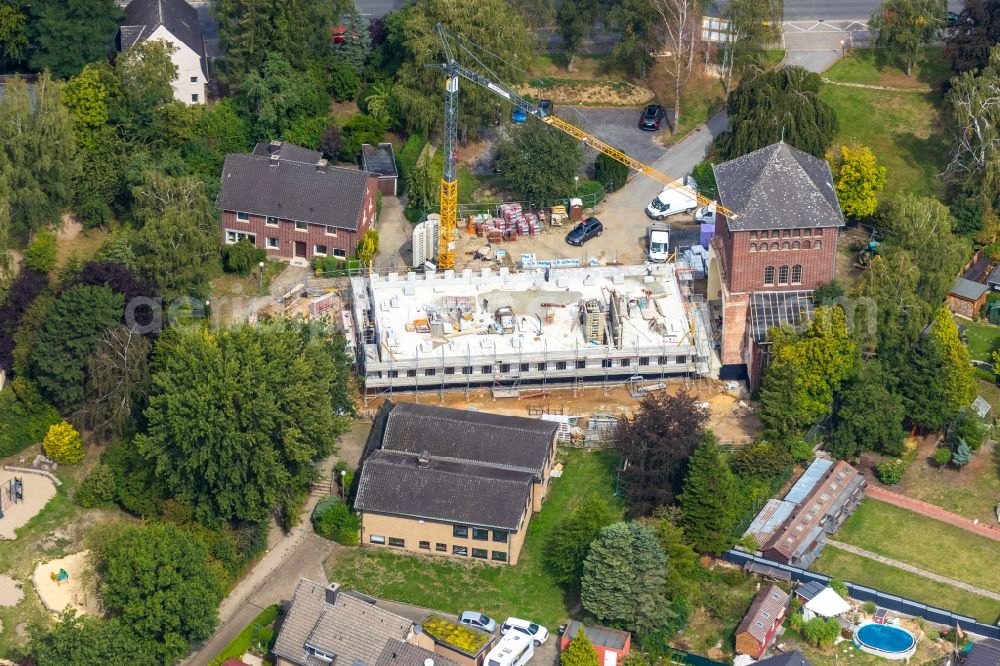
(618, 127)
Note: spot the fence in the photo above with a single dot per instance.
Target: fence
(590, 200)
(862, 593)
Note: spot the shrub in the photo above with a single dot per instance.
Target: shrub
(367, 246)
(820, 632)
(62, 443)
(41, 254)
(241, 257)
(608, 170)
(358, 130)
(705, 177)
(409, 155)
(890, 472)
(329, 143)
(334, 520)
(98, 489)
(869, 607)
(942, 456)
(21, 423)
(839, 587)
(342, 82)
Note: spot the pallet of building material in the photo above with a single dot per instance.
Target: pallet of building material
(601, 430)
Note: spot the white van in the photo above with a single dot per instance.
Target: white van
(513, 649)
(535, 631)
(681, 197)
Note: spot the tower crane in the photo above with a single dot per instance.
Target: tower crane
(449, 181)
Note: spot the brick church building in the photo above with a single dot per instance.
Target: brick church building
(781, 244)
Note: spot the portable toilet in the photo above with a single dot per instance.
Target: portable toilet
(575, 209)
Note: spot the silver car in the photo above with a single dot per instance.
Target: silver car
(478, 620)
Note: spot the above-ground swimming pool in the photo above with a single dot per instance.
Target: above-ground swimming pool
(885, 640)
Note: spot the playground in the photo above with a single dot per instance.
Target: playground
(67, 581)
(21, 497)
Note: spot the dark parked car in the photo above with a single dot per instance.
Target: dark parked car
(652, 116)
(584, 231)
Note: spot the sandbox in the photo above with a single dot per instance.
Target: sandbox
(36, 491)
(67, 581)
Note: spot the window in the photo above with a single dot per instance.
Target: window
(319, 250)
(499, 556)
(499, 536)
(331, 231)
(242, 217)
(525, 367)
(233, 236)
(430, 372)
(541, 367)
(806, 245)
(795, 245)
(480, 534)
(625, 362)
(663, 360)
(753, 247)
(449, 371)
(774, 247)
(273, 244)
(340, 253)
(459, 550)
(753, 235)
(393, 374)
(762, 247)
(504, 368)
(786, 245)
(460, 531)
(807, 232)
(194, 79)
(817, 244)
(580, 365)
(797, 274)
(396, 543)
(466, 369)
(644, 360)
(271, 221)
(479, 553)
(783, 275)
(487, 369)
(302, 226)
(769, 275)
(796, 233)
(560, 365)
(441, 547)
(682, 359)
(606, 363)
(786, 233)
(375, 538)
(194, 98)
(411, 373)
(425, 545)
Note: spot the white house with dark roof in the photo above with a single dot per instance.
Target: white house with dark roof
(174, 22)
(453, 482)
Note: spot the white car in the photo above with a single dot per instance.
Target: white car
(537, 632)
(705, 214)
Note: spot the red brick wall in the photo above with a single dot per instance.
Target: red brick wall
(734, 326)
(964, 308)
(745, 268)
(287, 234)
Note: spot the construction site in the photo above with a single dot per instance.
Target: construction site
(517, 331)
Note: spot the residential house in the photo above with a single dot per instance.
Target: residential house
(759, 626)
(176, 23)
(287, 200)
(793, 658)
(966, 297)
(453, 482)
(398, 653)
(780, 244)
(381, 161)
(612, 645)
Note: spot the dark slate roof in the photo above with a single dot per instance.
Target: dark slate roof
(293, 190)
(984, 653)
(398, 653)
(994, 278)
(967, 289)
(353, 630)
(283, 150)
(598, 635)
(508, 442)
(778, 187)
(795, 658)
(143, 17)
(454, 492)
(765, 609)
(379, 159)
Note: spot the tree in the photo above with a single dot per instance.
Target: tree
(624, 579)
(680, 25)
(857, 427)
(709, 501)
(754, 26)
(367, 246)
(71, 329)
(242, 257)
(277, 95)
(704, 175)
(62, 443)
(805, 372)
(574, 24)
(67, 34)
(905, 27)
(23, 291)
(539, 162)
(217, 395)
(329, 143)
(379, 102)
(37, 147)
(86, 641)
(13, 34)
(87, 95)
(974, 104)
(357, 44)
(821, 632)
(160, 581)
(967, 44)
(537, 13)
(146, 74)
(635, 21)
(607, 170)
(962, 455)
(358, 130)
(569, 542)
(776, 105)
(175, 253)
(858, 179)
(657, 442)
(118, 376)
(41, 254)
(579, 652)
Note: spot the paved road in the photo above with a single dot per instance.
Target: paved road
(618, 127)
(930, 575)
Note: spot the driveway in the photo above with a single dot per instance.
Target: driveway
(618, 127)
(395, 237)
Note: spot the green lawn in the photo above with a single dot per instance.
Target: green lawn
(923, 542)
(525, 590)
(982, 338)
(856, 569)
(869, 67)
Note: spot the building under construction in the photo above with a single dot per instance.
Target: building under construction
(512, 330)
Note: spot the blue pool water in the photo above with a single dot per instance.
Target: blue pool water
(885, 637)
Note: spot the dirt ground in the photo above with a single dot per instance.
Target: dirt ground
(77, 591)
(37, 491)
(730, 421)
(11, 591)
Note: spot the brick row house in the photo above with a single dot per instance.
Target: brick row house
(780, 245)
(452, 482)
(287, 200)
